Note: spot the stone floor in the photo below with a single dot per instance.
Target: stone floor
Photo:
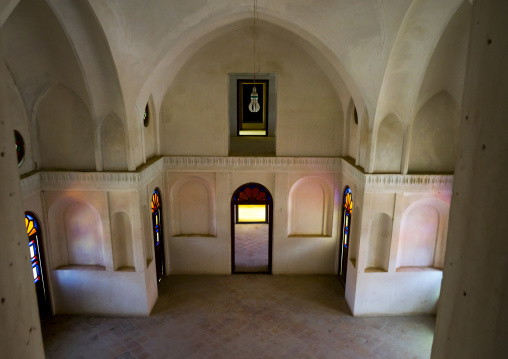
(251, 247)
(242, 316)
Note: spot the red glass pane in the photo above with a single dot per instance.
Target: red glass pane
(261, 196)
(248, 192)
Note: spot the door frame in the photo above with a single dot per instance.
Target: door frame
(266, 200)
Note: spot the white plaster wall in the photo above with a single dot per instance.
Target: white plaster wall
(99, 292)
(113, 146)
(397, 293)
(389, 142)
(195, 111)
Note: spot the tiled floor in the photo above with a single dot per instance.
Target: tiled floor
(251, 247)
(242, 316)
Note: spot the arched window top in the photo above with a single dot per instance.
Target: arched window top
(252, 193)
(31, 224)
(146, 116)
(20, 147)
(348, 200)
(156, 202)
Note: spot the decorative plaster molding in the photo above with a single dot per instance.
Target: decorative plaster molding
(99, 181)
(31, 185)
(274, 164)
(407, 183)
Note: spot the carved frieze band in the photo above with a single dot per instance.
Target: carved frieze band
(134, 180)
(252, 163)
(100, 180)
(377, 182)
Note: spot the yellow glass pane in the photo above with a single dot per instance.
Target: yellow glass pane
(252, 213)
(252, 133)
(29, 225)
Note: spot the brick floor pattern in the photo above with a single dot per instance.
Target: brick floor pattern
(251, 247)
(242, 316)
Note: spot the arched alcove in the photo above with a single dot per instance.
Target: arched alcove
(389, 142)
(419, 234)
(309, 208)
(65, 131)
(435, 135)
(380, 236)
(114, 151)
(192, 207)
(83, 235)
(123, 246)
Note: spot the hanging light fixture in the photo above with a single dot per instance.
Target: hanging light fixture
(254, 104)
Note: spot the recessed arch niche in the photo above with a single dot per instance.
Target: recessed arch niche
(65, 128)
(310, 208)
(378, 250)
(77, 236)
(422, 238)
(434, 135)
(123, 246)
(192, 207)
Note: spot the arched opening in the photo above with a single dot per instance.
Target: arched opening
(158, 236)
(347, 208)
(33, 230)
(251, 229)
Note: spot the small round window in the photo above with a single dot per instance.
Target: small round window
(146, 117)
(355, 116)
(20, 147)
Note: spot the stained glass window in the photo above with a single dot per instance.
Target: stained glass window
(146, 116)
(156, 216)
(347, 209)
(157, 233)
(20, 147)
(32, 229)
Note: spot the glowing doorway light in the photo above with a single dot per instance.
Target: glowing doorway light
(252, 213)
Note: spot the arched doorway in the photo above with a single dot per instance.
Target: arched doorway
(33, 230)
(347, 208)
(251, 229)
(158, 237)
